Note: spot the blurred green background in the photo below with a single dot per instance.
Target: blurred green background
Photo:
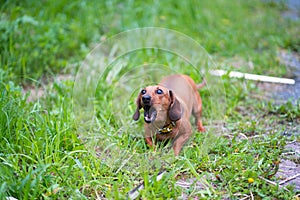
(39, 37)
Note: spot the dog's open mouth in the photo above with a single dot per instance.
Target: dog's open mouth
(149, 114)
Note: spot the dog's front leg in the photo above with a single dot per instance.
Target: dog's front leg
(149, 141)
(149, 135)
(184, 132)
(178, 143)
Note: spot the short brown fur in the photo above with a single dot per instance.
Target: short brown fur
(172, 101)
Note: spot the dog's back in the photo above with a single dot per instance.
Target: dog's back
(184, 88)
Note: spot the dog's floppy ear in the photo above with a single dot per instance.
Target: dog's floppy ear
(175, 108)
(136, 115)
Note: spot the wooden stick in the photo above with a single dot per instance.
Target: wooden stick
(268, 181)
(288, 179)
(133, 194)
(254, 77)
(272, 183)
(252, 197)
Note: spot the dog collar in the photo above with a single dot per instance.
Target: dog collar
(167, 128)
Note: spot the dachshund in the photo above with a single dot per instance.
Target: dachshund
(167, 110)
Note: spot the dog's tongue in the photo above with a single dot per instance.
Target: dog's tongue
(147, 117)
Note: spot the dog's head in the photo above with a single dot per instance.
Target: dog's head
(159, 103)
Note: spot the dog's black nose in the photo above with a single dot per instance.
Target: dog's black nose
(146, 99)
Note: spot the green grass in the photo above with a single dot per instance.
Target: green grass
(39, 37)
(45, 154)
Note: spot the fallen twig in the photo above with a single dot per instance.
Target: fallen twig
(244, 198)
(268, 181)
(289, 179)
(272, 183)
(252, 197)
(134, 193)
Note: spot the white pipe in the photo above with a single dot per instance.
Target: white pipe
(255, 77)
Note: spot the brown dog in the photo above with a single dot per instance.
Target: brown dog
(167, 110)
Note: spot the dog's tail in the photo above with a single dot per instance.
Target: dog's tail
(201, 85)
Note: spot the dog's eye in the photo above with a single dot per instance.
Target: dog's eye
(159, 91)
(143, 91)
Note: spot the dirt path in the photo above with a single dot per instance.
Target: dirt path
(289, 167)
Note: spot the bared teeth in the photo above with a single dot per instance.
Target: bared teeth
(149, 114)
